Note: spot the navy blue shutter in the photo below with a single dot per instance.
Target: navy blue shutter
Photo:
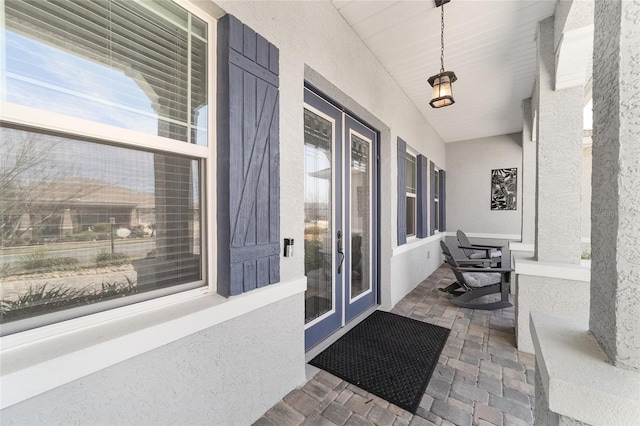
(248, 156)
(422, 197)
(432, 204)
(443, 200)
(402, 192)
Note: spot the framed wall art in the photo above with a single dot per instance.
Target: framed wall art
(504, 189)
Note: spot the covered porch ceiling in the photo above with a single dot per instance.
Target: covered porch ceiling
(489, 44)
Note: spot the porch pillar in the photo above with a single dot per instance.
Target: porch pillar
(588, 372)
(615, 206)
(559, 156)
(528, 175)
(554, 281)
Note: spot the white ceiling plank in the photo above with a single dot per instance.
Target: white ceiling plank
(358, 11)
(490, 45)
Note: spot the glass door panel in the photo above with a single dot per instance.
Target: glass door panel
(360, 291)
(360, 215)
(318, 230)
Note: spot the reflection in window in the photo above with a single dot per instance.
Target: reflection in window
(83, 222)
(318, 144)
(86, 225)
(361, 209)
(139, 66)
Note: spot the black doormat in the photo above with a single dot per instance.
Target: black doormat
(389, 355)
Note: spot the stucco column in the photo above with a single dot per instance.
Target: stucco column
(615, 206)
(559, 157)
(528, 175)
(66, 223)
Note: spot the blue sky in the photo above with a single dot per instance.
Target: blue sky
(45, 77)
(42, 76)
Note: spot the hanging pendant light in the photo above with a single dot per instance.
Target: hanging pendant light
(442, 95)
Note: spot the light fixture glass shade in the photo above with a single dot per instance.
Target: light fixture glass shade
(442, 91)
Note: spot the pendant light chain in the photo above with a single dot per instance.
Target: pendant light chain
(442, 94)
(442, 39)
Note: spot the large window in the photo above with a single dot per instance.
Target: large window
(411, 194)
(101, 199)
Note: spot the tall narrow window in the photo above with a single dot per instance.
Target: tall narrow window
(411, 195)
(105, 209)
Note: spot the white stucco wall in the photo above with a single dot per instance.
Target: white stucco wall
(469, 165)
(232, 372)
(562, 297)
(411, 264)
(314, 39)
(559, 158)
(615, 207)
(229, 374)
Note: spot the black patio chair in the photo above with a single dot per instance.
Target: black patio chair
(474, 282)
(480, 252)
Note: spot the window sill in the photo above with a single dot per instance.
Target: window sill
(41, 365)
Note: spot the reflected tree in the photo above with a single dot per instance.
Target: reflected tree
(32, 188)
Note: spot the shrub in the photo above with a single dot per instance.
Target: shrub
(36, 241)
(312, 256)
(85, 236)
(111, 259)
(15, 242)
(40, 298)
(44, 298)
(40, 261)
(101, 227)
(6, 270)
(78, 237)
(138, 232)
(118, 288)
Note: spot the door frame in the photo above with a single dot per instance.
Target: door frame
(341, 288)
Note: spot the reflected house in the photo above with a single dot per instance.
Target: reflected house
(80, 209)
(75, 205)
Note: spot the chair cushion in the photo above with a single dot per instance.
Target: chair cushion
(481, 279)
(494, 253)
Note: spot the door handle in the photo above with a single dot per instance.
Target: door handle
(340, 252)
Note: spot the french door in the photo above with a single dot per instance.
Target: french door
(340, 237)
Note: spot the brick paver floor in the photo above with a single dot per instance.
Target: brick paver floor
(481, 379)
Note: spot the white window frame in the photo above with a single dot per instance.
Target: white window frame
(81, 129)
(413, 195)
